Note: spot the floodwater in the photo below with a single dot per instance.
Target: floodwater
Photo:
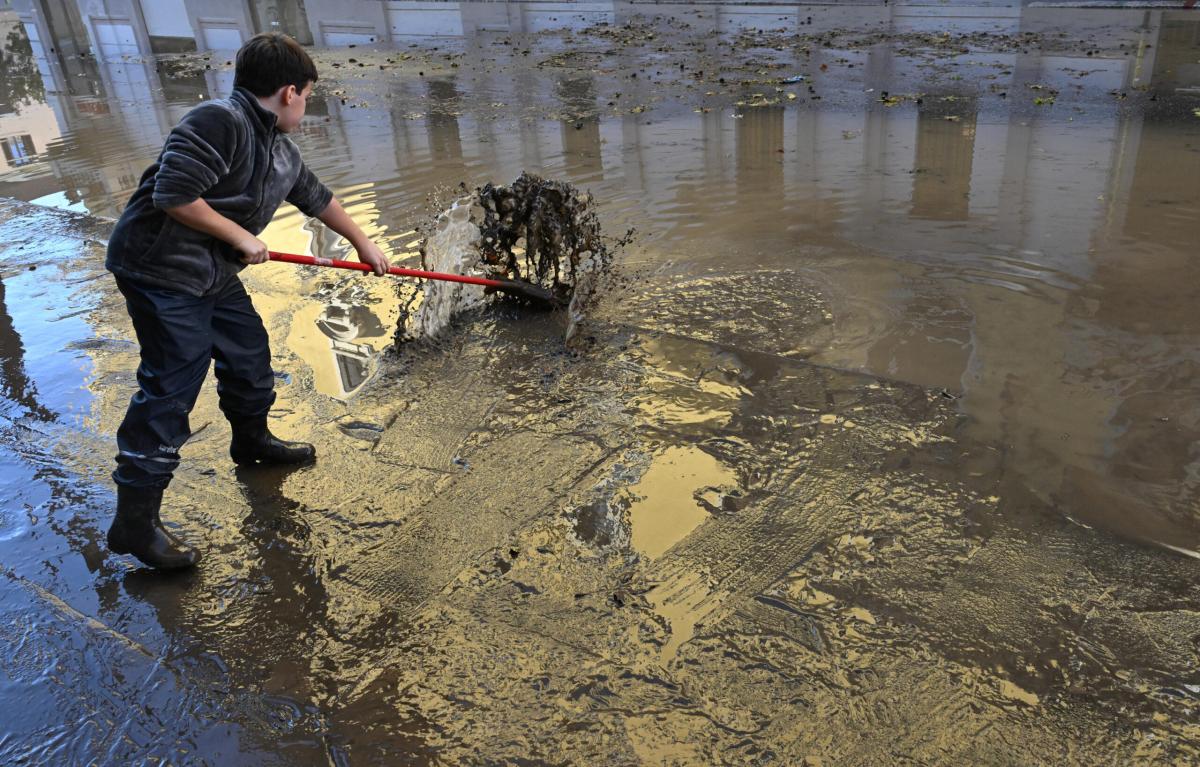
(879, 445)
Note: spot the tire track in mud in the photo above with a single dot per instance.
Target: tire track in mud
(718, 573)
(471, 514)
(824, 460)
(507, 453)
(631, 663)
(652, 638)
(430, 433)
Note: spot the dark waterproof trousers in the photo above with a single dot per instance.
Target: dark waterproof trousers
(179, 334)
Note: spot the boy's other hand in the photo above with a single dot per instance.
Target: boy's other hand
(253, 250)
(372, 256)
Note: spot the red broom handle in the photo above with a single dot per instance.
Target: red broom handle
(361, 267)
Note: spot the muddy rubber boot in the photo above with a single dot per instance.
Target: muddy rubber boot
(137, 530)
(254, 443)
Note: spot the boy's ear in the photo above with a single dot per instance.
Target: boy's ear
(287, 94)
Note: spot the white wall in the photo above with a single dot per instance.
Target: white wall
(345, 22)
(166, 18)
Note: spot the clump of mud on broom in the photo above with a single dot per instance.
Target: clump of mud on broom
(541, 232)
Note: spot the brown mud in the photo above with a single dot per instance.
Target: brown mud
(881, 450)
(541, 231)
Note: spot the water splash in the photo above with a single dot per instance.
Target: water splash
(454, 248)
(543, 232)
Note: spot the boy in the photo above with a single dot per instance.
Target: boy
(176, 252)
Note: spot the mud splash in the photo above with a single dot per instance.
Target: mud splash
(541, 231)
(535, 230)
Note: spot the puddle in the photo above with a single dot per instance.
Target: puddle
(683, 603)
(665, 506)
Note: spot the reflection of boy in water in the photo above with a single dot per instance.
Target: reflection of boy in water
(188, 230)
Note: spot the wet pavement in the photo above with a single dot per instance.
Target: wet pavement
(879, 445)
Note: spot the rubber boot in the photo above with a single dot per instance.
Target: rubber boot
(254, 443)
(137, 530)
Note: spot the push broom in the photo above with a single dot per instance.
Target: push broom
(536, 295)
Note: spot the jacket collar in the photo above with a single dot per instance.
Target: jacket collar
(264, 119)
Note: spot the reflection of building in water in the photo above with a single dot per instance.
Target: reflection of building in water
(56, 33)
(1176, 63)
(102, 135)
(28, 123)
(945, 149)
(581, 123)
(1140, 305)
(1163, 179)
(342, 323)
(445, 141)
(760, 147)
(1076, 267)
(409, 20)
(108, 142)
(24, 139)
(223, 25)
(107, 28)
(21, 82)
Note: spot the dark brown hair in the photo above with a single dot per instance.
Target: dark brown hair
(269, 61)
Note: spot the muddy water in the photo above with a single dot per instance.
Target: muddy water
(887, 420)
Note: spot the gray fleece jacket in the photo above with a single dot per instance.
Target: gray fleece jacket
(228, 152)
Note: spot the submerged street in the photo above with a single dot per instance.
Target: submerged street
(877, 445)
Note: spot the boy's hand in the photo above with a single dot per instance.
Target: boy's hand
(371, 255)
(253, 250)
(199, 216)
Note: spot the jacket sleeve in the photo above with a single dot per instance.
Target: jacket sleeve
(308, 193)
(196, 155)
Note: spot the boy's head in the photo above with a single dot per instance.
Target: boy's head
(277, 70)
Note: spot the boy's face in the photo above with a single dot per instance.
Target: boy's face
(294, 103)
